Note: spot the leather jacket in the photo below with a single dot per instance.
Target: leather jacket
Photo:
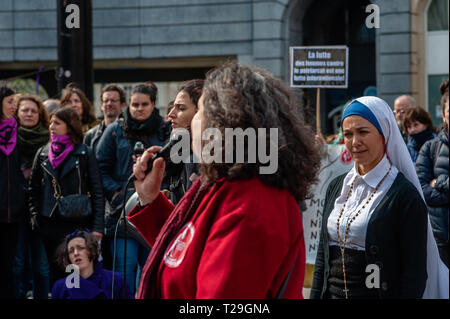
(78, 172)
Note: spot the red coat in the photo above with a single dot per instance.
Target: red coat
(240, 243)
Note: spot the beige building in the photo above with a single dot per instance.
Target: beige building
(429, 51)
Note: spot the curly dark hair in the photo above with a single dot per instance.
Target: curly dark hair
(70, 117)
(88, 116)
(240, 96)
(62, 253)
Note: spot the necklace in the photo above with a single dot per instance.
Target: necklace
(347, 228)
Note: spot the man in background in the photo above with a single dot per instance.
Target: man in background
(401, 105)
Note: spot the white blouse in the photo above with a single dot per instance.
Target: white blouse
(362, 189)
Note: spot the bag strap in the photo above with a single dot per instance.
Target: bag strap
(286, 280)
(56, 194)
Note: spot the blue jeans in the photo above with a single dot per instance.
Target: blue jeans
(136, 258)
(31, 265)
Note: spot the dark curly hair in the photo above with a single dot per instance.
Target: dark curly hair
(240, 96)
(62, 252)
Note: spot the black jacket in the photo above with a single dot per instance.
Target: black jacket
(114, 153)
(78, 169)
(12, 188)
(396, 241)
(178, 177)
(92, 137)
(432, 163)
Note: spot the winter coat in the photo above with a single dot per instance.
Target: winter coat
(179, 178)
(416, 141)
(241, 242)
(79, 170)
(114, 155)
(96, 286)
(92, 137)
(12, 188)
(433, 163)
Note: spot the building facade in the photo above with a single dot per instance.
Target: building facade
(168, 41)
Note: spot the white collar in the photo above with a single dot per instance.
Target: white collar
(375, 175)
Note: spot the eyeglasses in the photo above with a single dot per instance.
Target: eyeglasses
(399, 111)
(110, 100)
(78, 233)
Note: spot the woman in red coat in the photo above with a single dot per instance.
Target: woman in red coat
(237, 232)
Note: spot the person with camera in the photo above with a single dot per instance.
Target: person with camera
(65, 186)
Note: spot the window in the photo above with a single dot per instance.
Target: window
(437, 15)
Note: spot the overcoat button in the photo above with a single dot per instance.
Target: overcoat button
(384, 285)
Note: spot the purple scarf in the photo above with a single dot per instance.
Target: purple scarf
(8, 135)
(60, 147)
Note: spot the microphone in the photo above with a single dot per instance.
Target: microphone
(139, 148)
(164, 152)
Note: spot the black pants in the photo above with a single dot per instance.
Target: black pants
(56, 272)
(8, 240)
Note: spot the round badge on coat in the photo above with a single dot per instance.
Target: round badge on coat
(177, 250)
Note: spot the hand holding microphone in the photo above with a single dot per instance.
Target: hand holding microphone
(149, 169)
(148, 185)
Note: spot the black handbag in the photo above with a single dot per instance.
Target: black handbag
(74, 207)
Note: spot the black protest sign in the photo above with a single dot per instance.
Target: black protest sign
(319, 67)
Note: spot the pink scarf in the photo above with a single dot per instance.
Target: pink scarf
(8, 135)
(60, 147)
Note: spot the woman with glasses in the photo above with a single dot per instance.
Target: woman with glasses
(79, 252)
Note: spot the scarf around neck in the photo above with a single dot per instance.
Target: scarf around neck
(140, 130)
(60, 147)
(30, 140)
(420, 138)
(8, 135)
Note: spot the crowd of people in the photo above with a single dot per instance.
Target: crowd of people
(216, 229)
